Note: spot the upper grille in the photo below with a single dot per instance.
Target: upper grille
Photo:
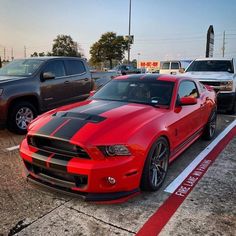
(211, 83)
(57, 146)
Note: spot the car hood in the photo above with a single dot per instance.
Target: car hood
(208, 76)
(96, 121)
(5, 78)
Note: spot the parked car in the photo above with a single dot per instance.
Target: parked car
(220, 73)
(121, 139)
(126, 69)
(174, 67)
(31, 86)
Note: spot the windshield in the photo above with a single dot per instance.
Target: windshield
(211, 65)
(144, 92)
(22, 67)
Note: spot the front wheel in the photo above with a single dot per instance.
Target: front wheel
(156, 165)
(20, 115)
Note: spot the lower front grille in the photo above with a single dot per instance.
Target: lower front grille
(58, 178)
(57, 146)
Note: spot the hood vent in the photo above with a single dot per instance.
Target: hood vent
(80, 116)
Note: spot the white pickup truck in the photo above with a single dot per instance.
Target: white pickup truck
(221, 75)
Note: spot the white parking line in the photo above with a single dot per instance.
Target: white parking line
(176, 183)
(13, 148)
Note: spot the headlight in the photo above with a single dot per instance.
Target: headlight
(1, 91)
(227, 85)
(115, 150)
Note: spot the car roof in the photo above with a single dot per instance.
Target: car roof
(214, 59)
(150, 77)
(48, 58)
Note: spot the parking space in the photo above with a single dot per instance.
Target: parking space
(33, 210)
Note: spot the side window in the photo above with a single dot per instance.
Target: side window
(188, 89)
(55, 67)
(175, 65)
(166, 65)
(75, 67)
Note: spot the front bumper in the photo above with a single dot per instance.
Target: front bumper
(85, 178)
(225, 101)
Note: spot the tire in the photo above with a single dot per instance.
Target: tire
(210, 127)
(156, 166)
(20, 115)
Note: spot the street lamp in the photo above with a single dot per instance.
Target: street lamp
(129, 32)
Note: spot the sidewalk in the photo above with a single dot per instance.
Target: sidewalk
(210, 209)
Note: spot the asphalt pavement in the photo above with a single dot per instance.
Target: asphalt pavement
(209, 209)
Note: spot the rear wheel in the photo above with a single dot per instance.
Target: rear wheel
(20, 115)
(210, 127)
(156, 166)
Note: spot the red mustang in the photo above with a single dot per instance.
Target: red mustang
(122, 138)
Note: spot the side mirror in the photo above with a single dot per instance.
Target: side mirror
(188, 101)
(47, 76)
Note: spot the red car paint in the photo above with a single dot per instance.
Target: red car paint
(93, 123)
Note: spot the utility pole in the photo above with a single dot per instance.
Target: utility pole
(4, 53)
(12, 55)
(129, 31)
(223, 47)
(24, 51)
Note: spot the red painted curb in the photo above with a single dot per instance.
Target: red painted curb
(159, 219)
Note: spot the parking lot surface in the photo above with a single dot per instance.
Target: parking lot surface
(210, 209)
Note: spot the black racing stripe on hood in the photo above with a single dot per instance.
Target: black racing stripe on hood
(91, 116)
(40, 158)
(99, 107)
(72, 127)
(48, 128)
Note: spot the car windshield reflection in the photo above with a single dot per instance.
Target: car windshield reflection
(21, 67)
(153, 93)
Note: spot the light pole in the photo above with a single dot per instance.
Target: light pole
(129, 31)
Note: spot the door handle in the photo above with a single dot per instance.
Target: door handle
(67, 82)
(86, 79)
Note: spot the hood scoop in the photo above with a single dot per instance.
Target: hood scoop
(79, 116)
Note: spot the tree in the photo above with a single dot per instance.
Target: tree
(35, 54)
(133, 62)
(108, 48)
(40, 54)
(63, 45)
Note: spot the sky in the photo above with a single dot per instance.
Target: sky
(163, 30)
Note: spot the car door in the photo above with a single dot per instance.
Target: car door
(79, 79)
(54, 91)
(188, 118)
(165, 68)
(174, 67)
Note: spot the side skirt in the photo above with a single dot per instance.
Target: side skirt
(183, 146)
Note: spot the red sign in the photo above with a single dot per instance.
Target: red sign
(149, 64)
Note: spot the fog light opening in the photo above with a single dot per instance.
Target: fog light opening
(111, 180)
